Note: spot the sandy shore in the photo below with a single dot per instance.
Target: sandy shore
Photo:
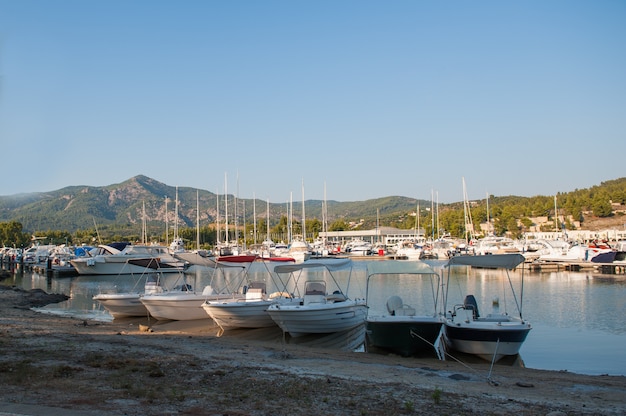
(185, 369)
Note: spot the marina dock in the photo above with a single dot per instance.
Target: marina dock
(603, 268)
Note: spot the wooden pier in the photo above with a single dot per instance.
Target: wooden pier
(603, 268)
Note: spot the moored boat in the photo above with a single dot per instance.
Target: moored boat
(131, 259)
(401, 330)
(494, 335)
(318, 311)
(128, 304)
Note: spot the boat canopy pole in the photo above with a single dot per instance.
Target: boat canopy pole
(517, 304)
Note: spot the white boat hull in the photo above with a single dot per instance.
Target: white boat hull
(318, 318)
(179, 306)
(122, 305)
(114, 265)
(231, 315)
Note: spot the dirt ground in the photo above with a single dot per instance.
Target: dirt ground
(126, 368)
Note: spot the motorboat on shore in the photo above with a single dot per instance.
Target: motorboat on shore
(247, 312)
(491, 336)
(184, 302)
(400, 330)
(318, 312)
(128, 304)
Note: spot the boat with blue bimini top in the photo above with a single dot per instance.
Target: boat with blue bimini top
(492, 336)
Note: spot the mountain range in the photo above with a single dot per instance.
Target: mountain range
(85, 207)
(123, 207)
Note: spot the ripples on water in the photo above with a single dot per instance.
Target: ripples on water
(577, 317)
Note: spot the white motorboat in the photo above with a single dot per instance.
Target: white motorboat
(247, 312)
(400, 330)
(182, 305)
(409, 250)
(494, 335)
(131, 259)
(127, 304)
(186, 303)
(318, 312)
(563, 251)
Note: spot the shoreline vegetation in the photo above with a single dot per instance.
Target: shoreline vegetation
(128, 367)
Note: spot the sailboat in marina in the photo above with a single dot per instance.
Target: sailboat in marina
(198, 256)
(125, 258)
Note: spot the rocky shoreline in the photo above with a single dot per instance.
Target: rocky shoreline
(126, 368)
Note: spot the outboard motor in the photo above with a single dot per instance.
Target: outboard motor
(470, 303)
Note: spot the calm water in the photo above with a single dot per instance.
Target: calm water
(577, 317)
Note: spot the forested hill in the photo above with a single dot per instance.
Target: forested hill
(122, 206)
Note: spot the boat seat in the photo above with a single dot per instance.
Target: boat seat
(276, 295)
(336, 297)
(470, 303)
(396, 307)
(393, 303)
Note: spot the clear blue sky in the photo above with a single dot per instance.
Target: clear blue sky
(371, 98)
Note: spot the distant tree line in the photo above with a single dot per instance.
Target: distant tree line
(509, 215)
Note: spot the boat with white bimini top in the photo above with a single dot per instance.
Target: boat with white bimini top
(318, 312)
(494, 335)
(247, 312)
(251, 310)
(401, 330)
(184, 303)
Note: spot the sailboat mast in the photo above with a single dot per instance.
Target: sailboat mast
(469, 224)
(325, 217)
(290, 216)
(217, 217)
(144, 233)
(432, 214)
(488, 219)
(236, 212)
(167, 231)
(556, 216)
(438, 235)
(226, 206)
(176, 216)
(197, 219)
(254, 215)
(303, 217)
(267, 220)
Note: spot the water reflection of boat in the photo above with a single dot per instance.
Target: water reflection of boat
(401, 331)
(348, 340)
(494, 335)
